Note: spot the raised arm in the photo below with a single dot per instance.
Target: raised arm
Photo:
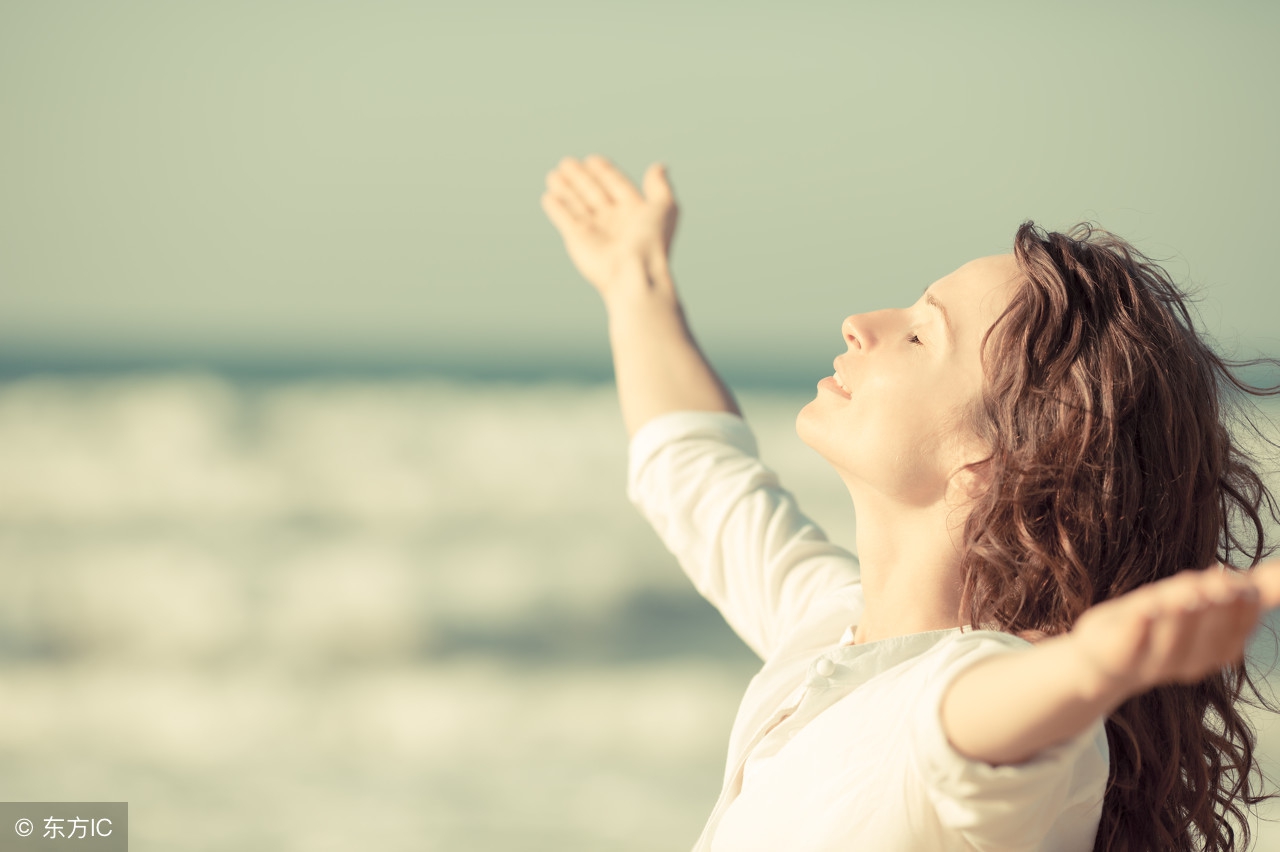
(620, 240)
(1009, 708)
(695, 473)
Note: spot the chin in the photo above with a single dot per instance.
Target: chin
(803, 424)
(812, 431)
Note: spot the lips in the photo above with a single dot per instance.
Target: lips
(829, 383)
(835, 365)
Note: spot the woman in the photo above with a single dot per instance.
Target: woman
(1042, 642)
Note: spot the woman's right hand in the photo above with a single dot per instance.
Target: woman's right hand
(610, 229)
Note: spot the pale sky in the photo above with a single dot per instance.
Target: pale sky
(323, 181)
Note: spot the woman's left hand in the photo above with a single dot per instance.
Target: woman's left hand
(1177, 630)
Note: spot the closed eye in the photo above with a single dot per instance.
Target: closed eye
(915, 340)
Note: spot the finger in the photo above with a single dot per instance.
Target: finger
(614, 181)
(1193, 590)
(1266, 579)
(559, 214)
(1181, 593)
(1210, 632)
(558, 185)
(1263, 581)
(657, 184)
(1175, 606)
(585, 184)
(1227, 638)
(1226, 628)
(1222, 585)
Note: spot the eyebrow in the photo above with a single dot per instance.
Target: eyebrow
(931, 300)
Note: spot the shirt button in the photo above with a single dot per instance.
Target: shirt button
(825, 667)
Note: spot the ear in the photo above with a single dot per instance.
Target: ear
(971, 474)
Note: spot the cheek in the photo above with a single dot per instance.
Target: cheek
(903, 423)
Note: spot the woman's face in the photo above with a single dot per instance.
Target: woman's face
(910, 373)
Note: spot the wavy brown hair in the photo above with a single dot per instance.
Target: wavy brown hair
(1112, 465)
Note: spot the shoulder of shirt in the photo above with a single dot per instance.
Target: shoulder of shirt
(987, 642)
(967, 640)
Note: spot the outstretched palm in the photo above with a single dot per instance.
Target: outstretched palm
(1177, 630)
(609, 228)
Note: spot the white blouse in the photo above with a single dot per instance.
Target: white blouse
(836, 745)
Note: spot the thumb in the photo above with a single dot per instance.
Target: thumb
(657, 183)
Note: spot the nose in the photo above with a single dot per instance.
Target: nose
(862, 331)
(853, 331)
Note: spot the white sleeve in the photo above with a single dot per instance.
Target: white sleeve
(696, 476)
(1052, 801)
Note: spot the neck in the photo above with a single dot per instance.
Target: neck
(910, 563)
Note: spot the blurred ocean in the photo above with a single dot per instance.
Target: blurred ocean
(397, 614)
